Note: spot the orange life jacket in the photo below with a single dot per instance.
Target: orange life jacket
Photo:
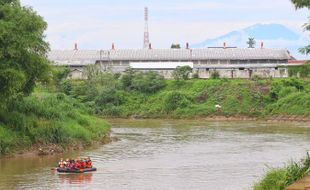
(77, 164)
(89, 164)
(84, 164)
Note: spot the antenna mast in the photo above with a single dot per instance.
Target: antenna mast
(146, 41)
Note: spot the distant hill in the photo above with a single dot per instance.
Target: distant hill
(273, 36)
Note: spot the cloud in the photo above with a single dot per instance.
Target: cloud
(98, 23)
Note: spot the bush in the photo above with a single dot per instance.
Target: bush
(297, 103)
(108, 96)
(66, 87)
(182, 73)
(174, 100)
(215, 74)
(127, 78)
(300, 71)
(59, 74)
(146, 82)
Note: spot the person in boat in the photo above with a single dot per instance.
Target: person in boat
(61, 163)
(67, 163)
(89, 163)
(84, 163)
(76, 164)
(71, 163)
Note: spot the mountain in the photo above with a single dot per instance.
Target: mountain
(273, 36)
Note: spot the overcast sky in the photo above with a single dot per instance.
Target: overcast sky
(95, 24)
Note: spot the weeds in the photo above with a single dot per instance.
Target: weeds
(280, 178)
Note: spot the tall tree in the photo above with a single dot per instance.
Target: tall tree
(175, 46)
(303, 4)
(23, 49)
(251, 43)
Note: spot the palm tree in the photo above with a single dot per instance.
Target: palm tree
(303, 4)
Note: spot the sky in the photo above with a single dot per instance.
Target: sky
(96, 24)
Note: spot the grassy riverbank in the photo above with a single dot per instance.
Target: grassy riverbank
(44, 119)
(195, 98)
(280, 178)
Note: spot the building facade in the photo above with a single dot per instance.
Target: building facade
(227, 62)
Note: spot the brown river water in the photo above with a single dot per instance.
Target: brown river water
(170, 154)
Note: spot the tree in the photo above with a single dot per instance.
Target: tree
(127, 78)
(92, 71)
(148, 82)
(175, 46)
(23, 51)
(303, 4)
(251, 43)
(182, 73)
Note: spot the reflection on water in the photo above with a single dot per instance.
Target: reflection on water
(85, 178)
(164, 154)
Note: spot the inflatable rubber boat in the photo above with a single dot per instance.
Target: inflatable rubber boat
(74, 170)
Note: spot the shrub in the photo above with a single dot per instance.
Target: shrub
(182, 73)
(66, 87)
(59, 74)
(92, 71)
(108, 96)
(215, 74)
(300, 71)
(174, 100)
(148, 82)
(127, 78)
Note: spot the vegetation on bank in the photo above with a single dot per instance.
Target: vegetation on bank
(280, 178)
(147, 95)
(48, 118)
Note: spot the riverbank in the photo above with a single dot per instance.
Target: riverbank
(267, 99)
(48, 123)
(275, 118)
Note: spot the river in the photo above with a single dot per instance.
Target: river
(170, 154)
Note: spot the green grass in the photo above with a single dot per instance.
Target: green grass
(48, 118)
(280, 178)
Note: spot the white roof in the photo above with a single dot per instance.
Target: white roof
(159, 65)
(85, 57)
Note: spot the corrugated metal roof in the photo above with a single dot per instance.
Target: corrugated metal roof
(85, 57)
